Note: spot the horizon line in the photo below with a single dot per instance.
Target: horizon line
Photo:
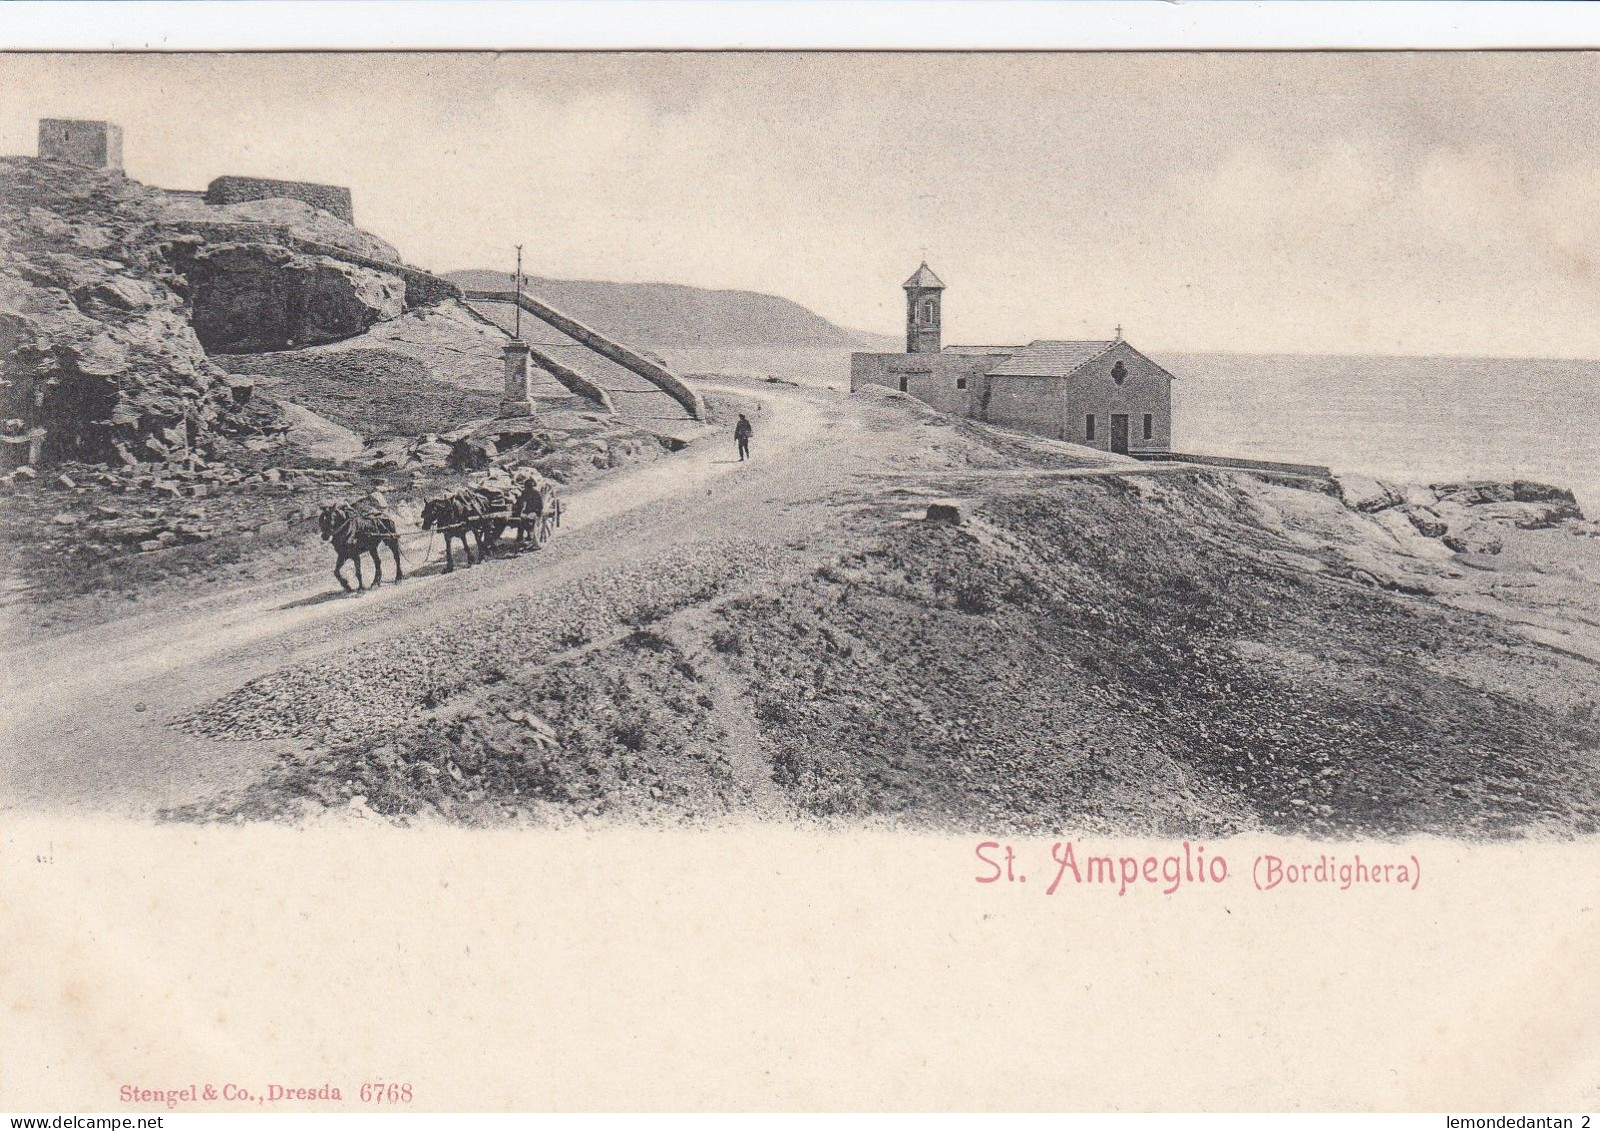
(897, 334)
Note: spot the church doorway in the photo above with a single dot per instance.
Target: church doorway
(1119, 432)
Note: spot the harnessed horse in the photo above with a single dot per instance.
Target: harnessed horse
(354, 532)
(487, 510)
(481, 511)
(454, 516)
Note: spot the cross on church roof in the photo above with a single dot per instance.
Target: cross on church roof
(925, 279)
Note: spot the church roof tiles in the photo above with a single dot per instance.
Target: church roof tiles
(1051, 359)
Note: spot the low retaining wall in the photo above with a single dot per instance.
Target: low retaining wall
(657, 374)
(422, 288)
(574, 381)
(1309, 470)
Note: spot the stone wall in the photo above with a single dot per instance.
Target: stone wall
(574, 381)
(651, 370)
(422, 288)
(94, 145)
(1059, 407)
(1309, 470)
(950, 382)
(1030, 404)
(333, 199)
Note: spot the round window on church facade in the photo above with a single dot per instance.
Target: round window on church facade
(1119, 373)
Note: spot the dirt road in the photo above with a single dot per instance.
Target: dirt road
(85, 715)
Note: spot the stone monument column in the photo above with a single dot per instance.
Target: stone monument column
(515, 400)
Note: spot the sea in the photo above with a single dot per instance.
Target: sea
(1411, 419)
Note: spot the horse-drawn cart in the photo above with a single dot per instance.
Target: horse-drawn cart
(483, 511)
(525, 500)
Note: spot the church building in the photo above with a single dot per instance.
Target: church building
(1103, 394)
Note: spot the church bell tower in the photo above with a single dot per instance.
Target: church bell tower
(924, 297)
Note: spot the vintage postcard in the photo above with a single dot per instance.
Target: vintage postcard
(800, 581)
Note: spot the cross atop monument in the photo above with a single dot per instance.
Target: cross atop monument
(515, 401)
(517, 279)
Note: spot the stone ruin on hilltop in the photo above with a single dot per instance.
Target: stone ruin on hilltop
(115, 297)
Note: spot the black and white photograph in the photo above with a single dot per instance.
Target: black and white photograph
(1036, 453)
(1041, 442)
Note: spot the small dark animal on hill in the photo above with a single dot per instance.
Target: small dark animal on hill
(354, 531)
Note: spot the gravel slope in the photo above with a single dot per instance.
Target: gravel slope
(1115, 649)
(1151, 653)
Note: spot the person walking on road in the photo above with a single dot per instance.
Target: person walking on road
(742, 433)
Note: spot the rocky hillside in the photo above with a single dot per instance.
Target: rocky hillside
(250, 297)
(113, 293)
(667, 315)
(95, 338)
(181, 384)
(1194, 653)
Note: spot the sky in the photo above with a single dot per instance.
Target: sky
(1412, 203)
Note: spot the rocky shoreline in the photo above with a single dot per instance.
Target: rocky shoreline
(1464, 516)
